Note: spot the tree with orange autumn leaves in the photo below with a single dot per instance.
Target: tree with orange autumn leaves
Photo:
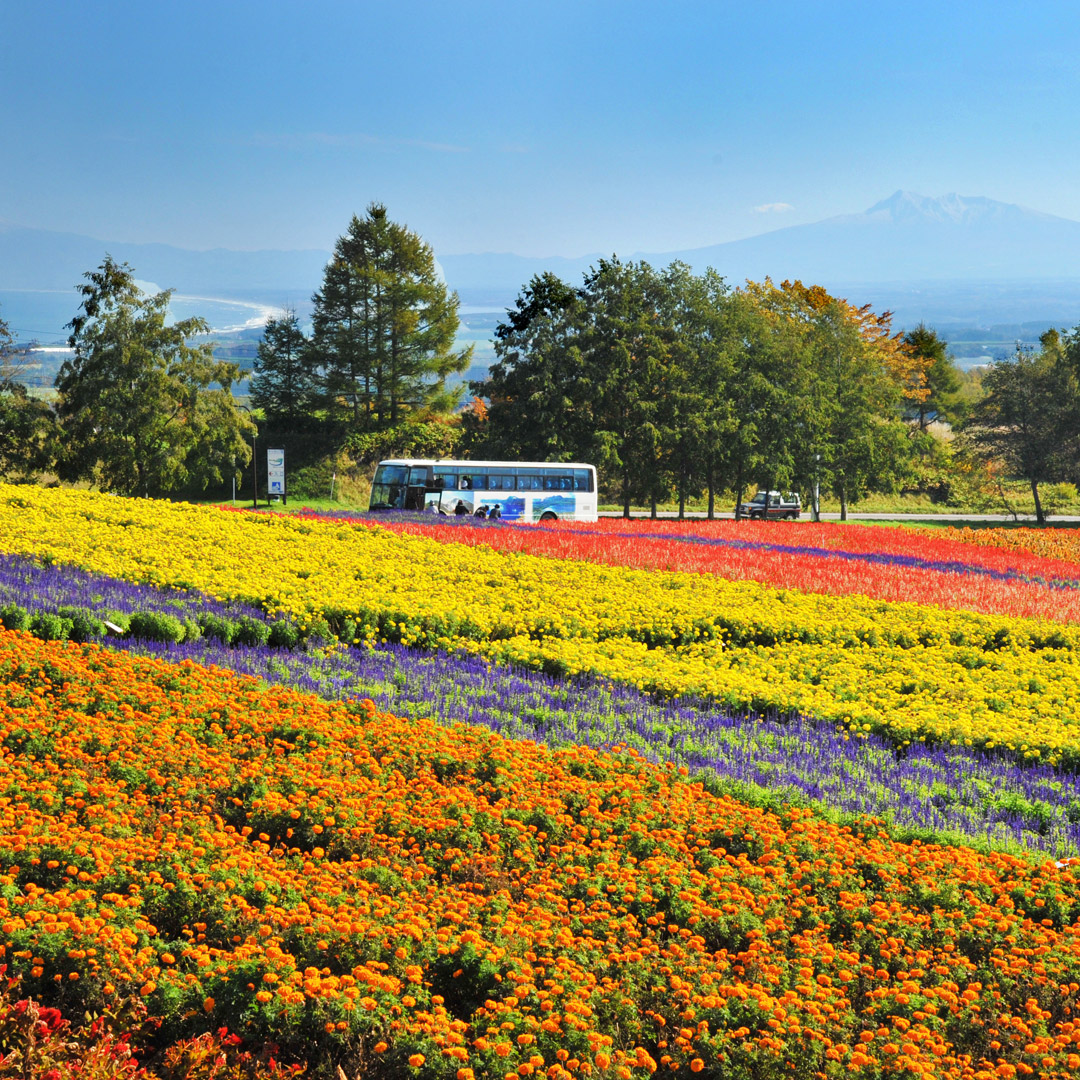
(851, 378)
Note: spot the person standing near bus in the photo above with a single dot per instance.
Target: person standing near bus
(461, 509)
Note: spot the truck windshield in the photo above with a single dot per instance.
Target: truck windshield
(759, 497)
(389, 487)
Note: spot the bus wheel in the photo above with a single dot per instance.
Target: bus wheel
(547, 515)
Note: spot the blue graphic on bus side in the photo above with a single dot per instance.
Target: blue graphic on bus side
(511, 508)
(563, 505)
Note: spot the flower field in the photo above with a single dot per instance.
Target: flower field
(959, 792)
(408, 898)
(464, 800)
(887, 564)
(907, 671)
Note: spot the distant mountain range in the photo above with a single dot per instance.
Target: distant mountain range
(951, 261)
(908, 247)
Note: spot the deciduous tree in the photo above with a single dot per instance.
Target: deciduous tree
(1027, 417)
(143, 410)
(27, 428)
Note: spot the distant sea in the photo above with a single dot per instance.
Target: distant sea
(40, 316)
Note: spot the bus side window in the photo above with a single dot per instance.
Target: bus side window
(466, 483)
(449, 480)
(558, 483)
(529, 483)
(479, 481)
(500, 482)
(582, 480)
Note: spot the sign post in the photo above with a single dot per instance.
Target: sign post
(275, 475)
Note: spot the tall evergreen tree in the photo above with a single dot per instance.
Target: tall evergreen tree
(940, 397)
(709, 337)
(627, 343)
(284, 384)
(384, 327)
(540, 389)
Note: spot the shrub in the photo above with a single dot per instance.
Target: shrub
(49, 626)
(284, 634)
(156, 626)
(318, 631)
(14, 617)
(217, 626)
(85, 626)
(118, 618)
(251, 631)
(192, 630)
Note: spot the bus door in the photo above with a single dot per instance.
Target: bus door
(422, 486)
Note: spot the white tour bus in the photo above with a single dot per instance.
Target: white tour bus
(510, 490)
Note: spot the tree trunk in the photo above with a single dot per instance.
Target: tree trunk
(739, 486)
(652, 504)
(682, 490)
(712, 492)
(1040, 517)
(626, 493)
(843, 502)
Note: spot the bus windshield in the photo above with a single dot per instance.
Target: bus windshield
(389, 487)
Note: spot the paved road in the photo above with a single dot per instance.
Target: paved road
(988, 518)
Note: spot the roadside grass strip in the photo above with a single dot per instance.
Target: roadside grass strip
(401, 898)
(907, 671)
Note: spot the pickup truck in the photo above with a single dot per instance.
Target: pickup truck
(785, 504)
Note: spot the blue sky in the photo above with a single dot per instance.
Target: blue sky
(541, 128)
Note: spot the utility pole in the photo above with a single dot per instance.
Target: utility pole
(254, 460)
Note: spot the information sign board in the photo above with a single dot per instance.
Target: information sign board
(275, 472)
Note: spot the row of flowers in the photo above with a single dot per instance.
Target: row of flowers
(905, 670)
(885, 563)
(395, 896)
(953, 791)
(1060, 544)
